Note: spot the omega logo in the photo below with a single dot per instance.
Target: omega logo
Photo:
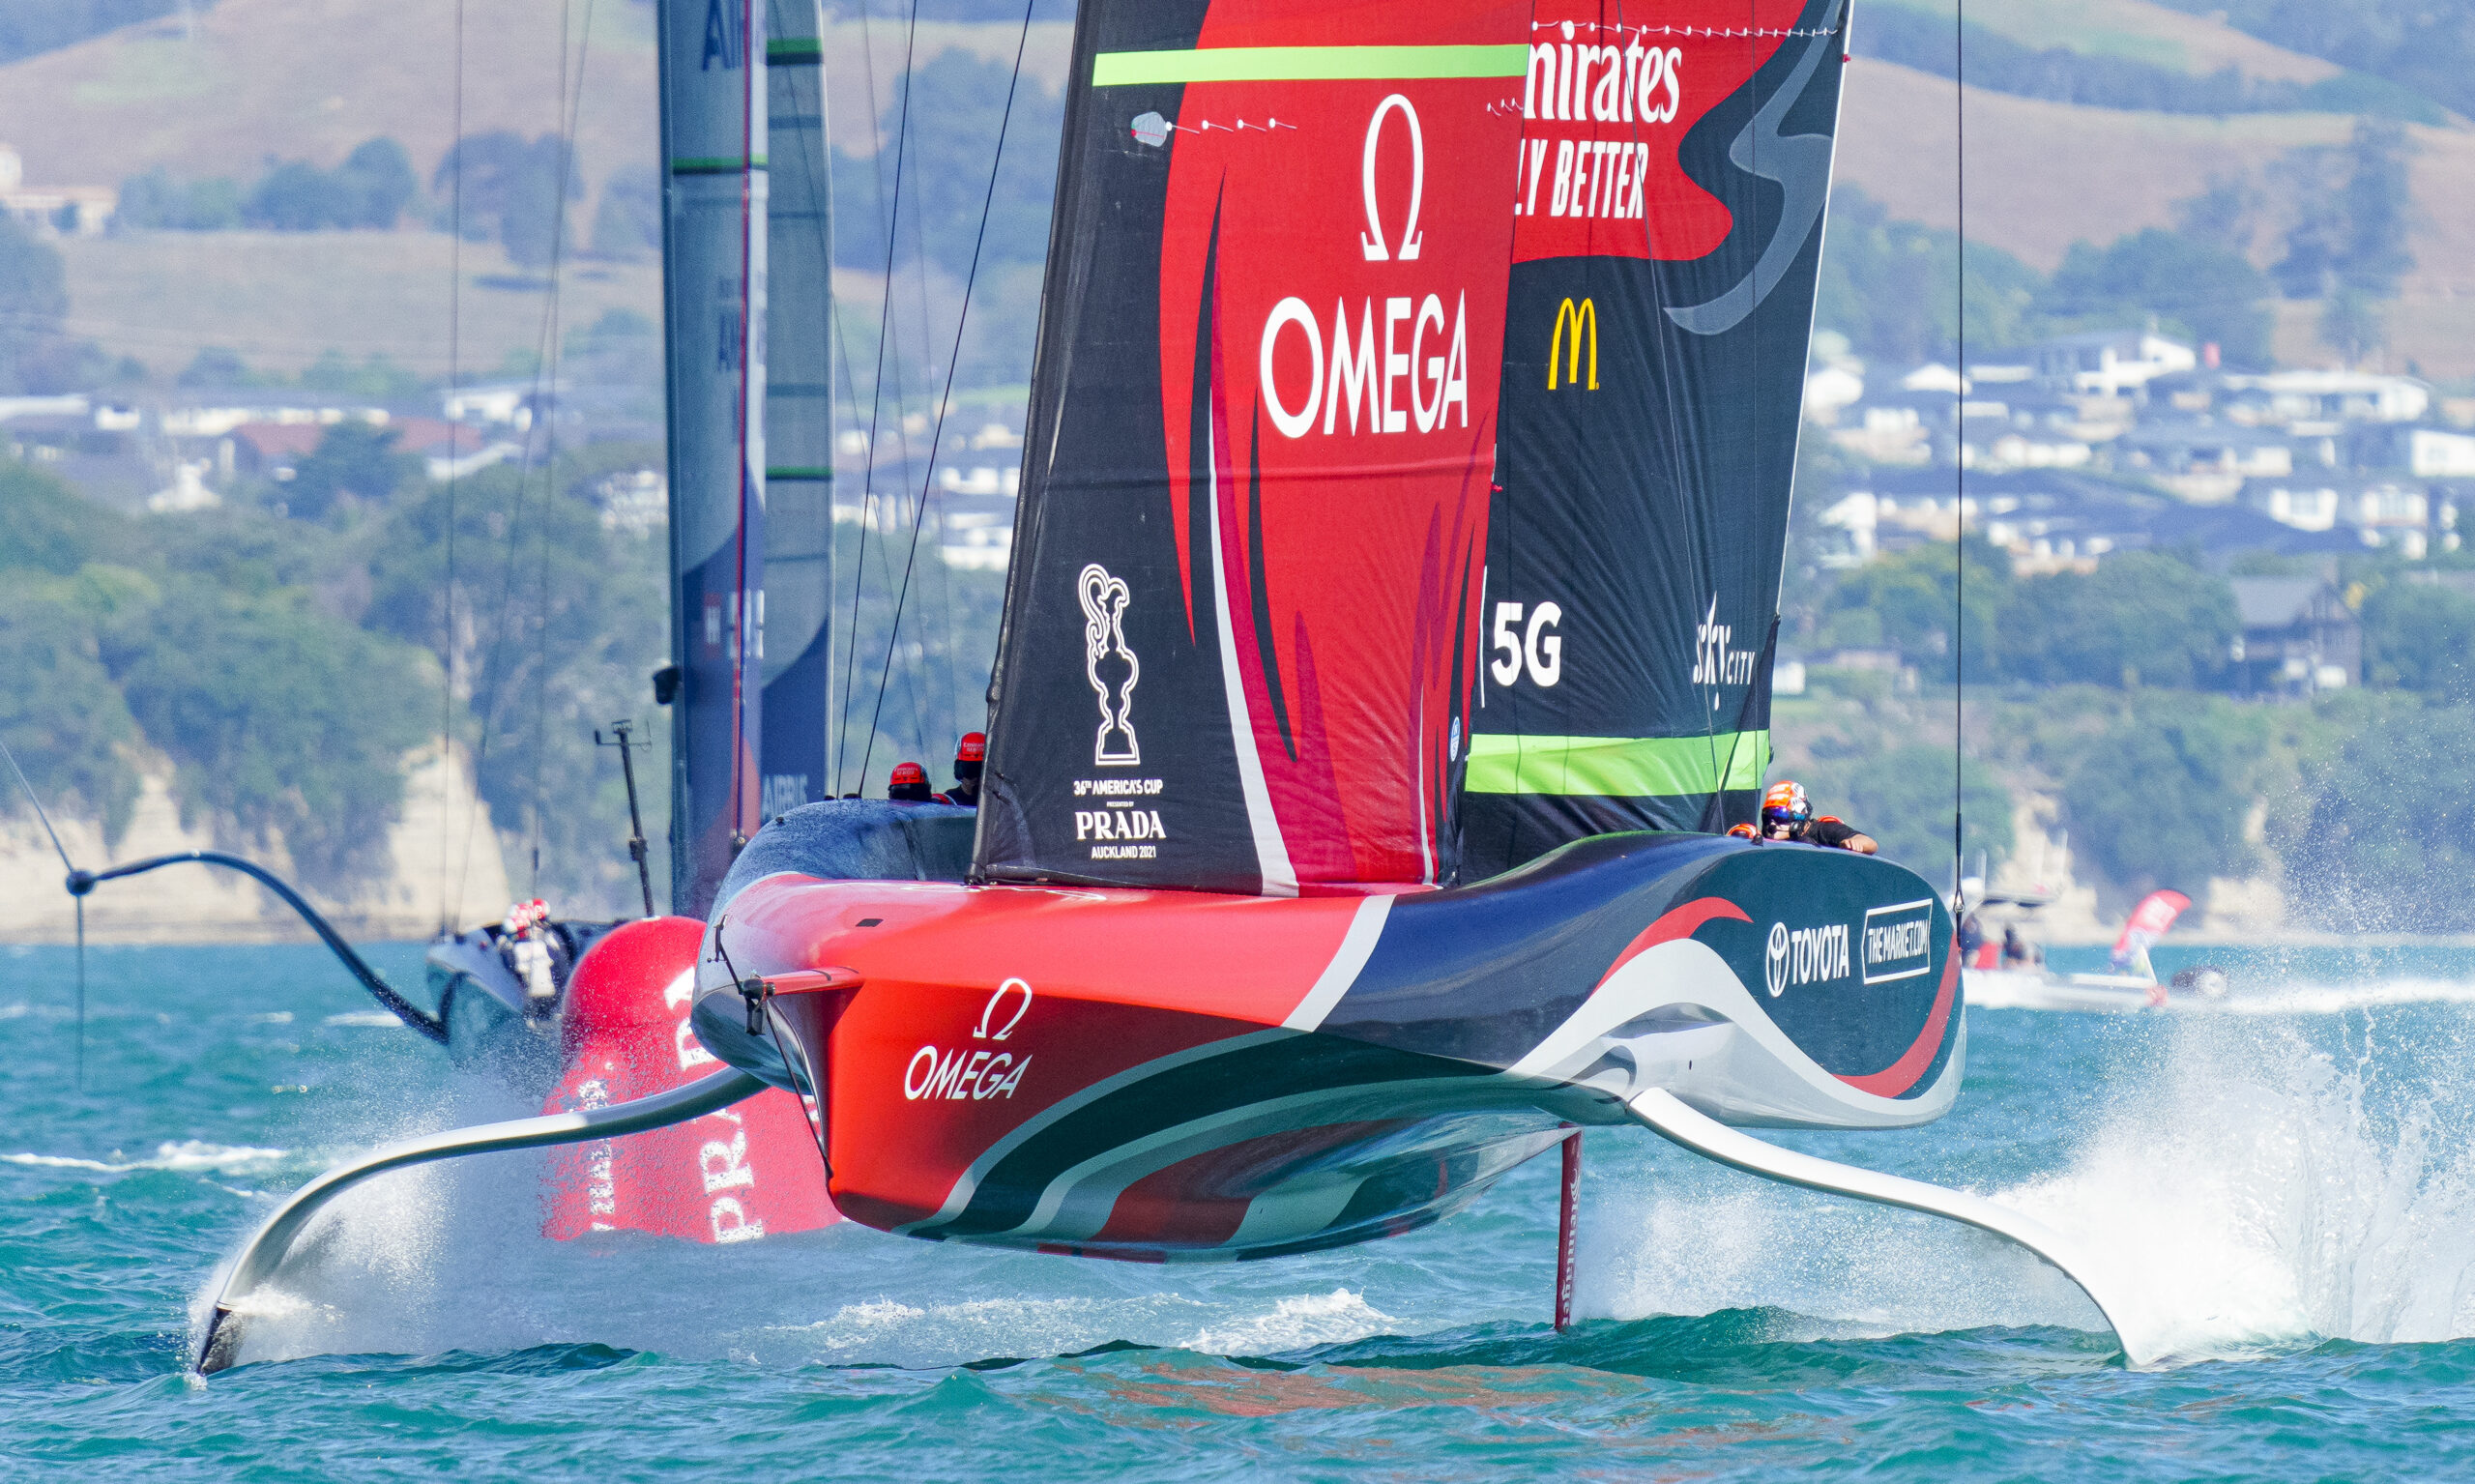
(1413, 370)
(1411, 238)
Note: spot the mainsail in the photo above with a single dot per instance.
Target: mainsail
(1242, 618)
(799, 414)
(713, 210)
(1674, 167)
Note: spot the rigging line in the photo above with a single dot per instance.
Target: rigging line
(860, 573)
(79, 896)
(816, 160)
(915, 683)
(554, 339)
(32, 798)
(1959, 474)
(490, 674)
(876, 385)
(1714, 811)
(449, 646)
(1672, 376)
(962, 318)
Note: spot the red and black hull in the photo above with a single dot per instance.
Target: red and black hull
(1163, 1075)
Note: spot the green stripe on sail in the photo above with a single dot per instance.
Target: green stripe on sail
(797, 472)
(1306, 63)
(795, 50)
(1616, 766)
(726, 164)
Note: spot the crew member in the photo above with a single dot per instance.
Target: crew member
(1787, 814)
(970, 759)
(524, 942)
(909, 784)
(2015, 948)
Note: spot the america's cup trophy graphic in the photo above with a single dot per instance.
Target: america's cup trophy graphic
(1110, 664)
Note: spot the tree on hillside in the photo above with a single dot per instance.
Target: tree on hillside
(293, 196)
(627, 223)
(1909, 601)
(2354, 210)
(280, 719)
(522, 187)
(34, 296)
(558, 620)
(51, 527)
(158, 200)
(353, 458)
(2353, 324)
(2225, 216)
(2386, 842)
(2428, 48)
(374, 184)
(2161, 800)
(958, 100)
(2421, 637)
(2142, 618)
(1893, 288)
(2211, 293)
(370, 190)
(60, 714)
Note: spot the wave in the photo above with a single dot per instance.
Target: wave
(185, 1155)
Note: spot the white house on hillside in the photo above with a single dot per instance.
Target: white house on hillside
(2110, 363)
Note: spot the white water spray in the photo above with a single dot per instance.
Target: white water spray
(2249, 1184)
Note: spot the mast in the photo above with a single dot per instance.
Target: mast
(799, 414)
(713, 255)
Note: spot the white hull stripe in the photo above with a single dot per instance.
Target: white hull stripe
(1271, 852)
(1357, 946)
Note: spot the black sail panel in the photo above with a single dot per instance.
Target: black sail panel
(1676, 164)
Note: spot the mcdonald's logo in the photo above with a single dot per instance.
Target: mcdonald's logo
(1585, 322)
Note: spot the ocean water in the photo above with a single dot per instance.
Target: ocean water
(2284, 1186)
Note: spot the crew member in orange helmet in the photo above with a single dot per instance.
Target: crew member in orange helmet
(1787, 814)
(970, 759)
(909, 784)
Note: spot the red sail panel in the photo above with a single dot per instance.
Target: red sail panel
(1268, 601)
(1609, 94)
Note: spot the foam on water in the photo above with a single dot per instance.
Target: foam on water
(187, 1154)
(2244, 1184)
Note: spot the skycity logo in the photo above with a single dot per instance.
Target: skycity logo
(1804, 956)
(1713, 662)
(1368, 373)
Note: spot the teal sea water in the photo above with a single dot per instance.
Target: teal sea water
(2284, 1185)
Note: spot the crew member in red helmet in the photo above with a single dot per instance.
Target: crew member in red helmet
(1787, 814)
(970, 759)
(909, 784)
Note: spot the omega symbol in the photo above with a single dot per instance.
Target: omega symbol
(1411, 237)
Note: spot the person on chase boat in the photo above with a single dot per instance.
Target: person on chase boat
(1787, 814)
